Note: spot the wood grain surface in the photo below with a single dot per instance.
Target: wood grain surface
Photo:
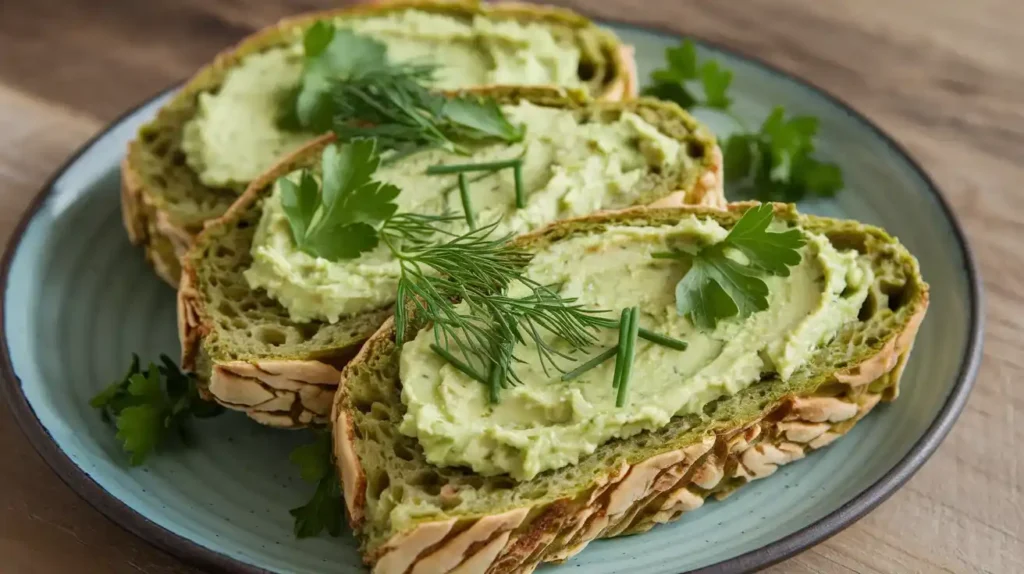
(944, 77)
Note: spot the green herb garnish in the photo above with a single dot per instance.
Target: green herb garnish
(718, 287)
(628, 331)
(395, 106)
(463, 168)
(331, 55)
(325, 509)
(348, 84)
(150, 407)
(337, 217)
(467, 204)
(458, 283)
(774, 163)
(592, 363)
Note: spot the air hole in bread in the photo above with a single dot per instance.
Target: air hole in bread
(895, 294)
(846, 240)
(428, 481)
(377, 484)
(403, 452)
(868, 309)
(226, 309)
(363, 406)
(586, 71)
(695, 149)
(271, 336)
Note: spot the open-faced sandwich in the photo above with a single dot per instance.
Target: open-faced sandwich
(275, 91)
(282, 290)
(609, 374)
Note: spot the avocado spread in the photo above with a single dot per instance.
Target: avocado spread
(545, 423)
(234, 135)
(569, 169)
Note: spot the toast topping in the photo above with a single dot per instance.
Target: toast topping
(236, 133)
(547, 422)
(569, 168)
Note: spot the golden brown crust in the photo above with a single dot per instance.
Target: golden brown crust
(664, 486)
(665, 491)
(164, 244)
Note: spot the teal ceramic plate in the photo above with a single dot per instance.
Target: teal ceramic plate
(78, 300)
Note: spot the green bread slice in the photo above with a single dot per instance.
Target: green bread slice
(411, 516)
(164, 205)
(251, 356)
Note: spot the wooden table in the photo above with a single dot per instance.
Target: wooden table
(945, 77)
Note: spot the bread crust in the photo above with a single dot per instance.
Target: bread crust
(660, 488)
(151, 225)
(707, 191)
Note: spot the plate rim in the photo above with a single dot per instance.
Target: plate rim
(774, 552)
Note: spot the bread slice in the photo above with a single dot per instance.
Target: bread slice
(164, 205)
(411, 516)
(251, 356)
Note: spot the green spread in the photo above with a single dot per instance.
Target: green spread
(546, 423)
(569, 169)
(234, 135)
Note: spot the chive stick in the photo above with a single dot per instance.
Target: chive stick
(597, 360)
(662, 340)
(463, 367)
(620, 356)
(656, 338)
(467, 207)
(517, 175)
(441, 169)
(498, 377)
(630, 355)
(494, 382)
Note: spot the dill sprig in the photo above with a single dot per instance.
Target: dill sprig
(461, 286)
(394, 105)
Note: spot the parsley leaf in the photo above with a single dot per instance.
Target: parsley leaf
(771, 252)
(140, 428)
(716, 80)
(777, 163)
(774, 163)
(148, 407)
(330, 55)
(325, 509)
(479, 118)
(718, 287)
(338, 218)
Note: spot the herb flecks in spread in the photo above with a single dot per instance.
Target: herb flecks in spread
(237, 132)
(325, 510)
(552, 419)
(569, 168)
(775, 162)
(151, 407)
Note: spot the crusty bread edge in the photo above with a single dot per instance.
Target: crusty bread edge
(164, 240)
(618, 502)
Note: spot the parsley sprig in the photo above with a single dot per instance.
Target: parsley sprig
(349, 85)
(150, 407)
(776, 162)
(718, 287)
(325, 509)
